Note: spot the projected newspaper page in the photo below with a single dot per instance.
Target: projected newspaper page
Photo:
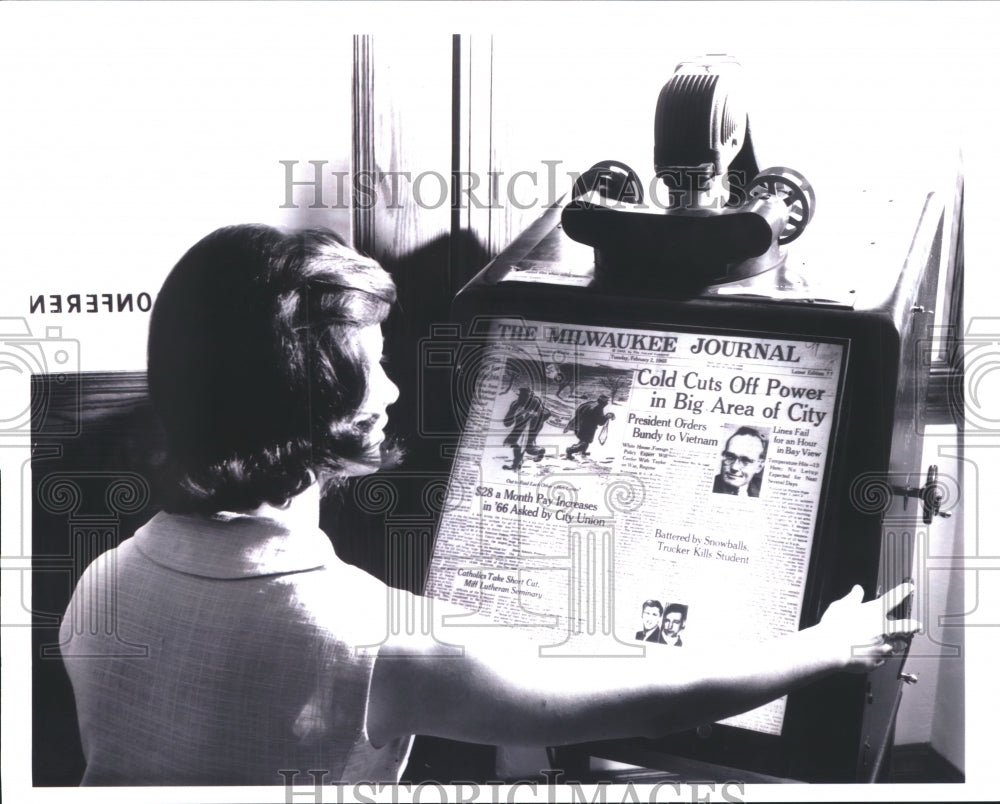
(620, 492)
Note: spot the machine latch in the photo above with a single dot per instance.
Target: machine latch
(931, 494)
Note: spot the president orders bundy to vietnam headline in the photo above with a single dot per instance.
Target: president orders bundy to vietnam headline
(657, 434)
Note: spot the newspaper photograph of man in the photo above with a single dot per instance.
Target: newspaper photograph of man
(742, 464)
(652, 613)
(674, 620)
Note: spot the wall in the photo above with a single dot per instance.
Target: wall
(123, 149)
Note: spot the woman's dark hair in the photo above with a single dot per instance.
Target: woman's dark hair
(253, 369)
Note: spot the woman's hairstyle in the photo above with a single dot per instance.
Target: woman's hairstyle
(253, 367)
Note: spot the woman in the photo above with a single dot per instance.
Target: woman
(233, 645)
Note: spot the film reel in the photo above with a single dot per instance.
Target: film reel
(794, 190)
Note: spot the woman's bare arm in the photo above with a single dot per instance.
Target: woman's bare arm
(501, 691)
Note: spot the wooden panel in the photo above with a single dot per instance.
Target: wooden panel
(476, 199)
(403, 158)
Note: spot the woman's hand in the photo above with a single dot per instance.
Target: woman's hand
(860, 634)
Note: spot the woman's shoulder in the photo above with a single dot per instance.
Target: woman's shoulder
(350, 605)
